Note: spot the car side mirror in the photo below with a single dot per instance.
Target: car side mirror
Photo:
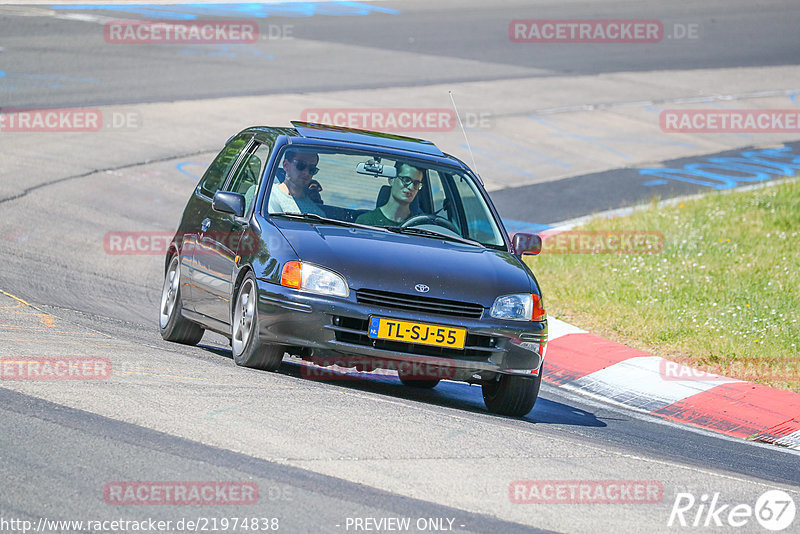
(228, 202)
(526, 244)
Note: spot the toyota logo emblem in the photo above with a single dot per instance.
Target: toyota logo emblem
(422, 288)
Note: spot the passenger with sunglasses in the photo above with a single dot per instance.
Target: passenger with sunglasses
(404, 188)
(290, 196)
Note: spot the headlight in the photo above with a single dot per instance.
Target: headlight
(519, 307)
(314, 279)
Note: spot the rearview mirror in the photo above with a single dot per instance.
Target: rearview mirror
(376, 169)
(228, 202)
(526, 244)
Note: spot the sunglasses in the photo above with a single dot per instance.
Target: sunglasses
(302, 165)
(408, 181)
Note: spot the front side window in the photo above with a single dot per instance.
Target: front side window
(374, 189)
(217, 172)
(248, 175)
(476, 212)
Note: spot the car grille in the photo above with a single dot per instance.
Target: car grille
(414, 303)
(354, 331)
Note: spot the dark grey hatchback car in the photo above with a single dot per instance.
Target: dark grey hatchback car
(357, 249)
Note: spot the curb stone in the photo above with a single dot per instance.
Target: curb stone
(583, 361)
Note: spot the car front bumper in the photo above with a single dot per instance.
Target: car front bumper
(329, 328)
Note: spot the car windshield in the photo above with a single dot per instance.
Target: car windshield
(379, 190)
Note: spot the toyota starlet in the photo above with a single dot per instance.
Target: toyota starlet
(340, 245)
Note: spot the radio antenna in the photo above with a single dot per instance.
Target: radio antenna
(464, 131)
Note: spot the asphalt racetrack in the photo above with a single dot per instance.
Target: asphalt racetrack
(558, 130)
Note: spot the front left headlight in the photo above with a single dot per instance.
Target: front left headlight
(314, 279)
(518, 307)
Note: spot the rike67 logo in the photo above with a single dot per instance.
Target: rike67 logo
(774, 510)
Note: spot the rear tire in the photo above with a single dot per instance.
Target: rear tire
(512, 395)
(247, 348)
(174, 326)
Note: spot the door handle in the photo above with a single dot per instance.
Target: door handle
(206, 223)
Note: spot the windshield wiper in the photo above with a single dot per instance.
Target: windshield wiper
(431, 233)
(320, 218)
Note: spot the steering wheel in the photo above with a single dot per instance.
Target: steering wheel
(417, 220)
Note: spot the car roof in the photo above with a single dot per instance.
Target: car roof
(326, 132)
(364, 137)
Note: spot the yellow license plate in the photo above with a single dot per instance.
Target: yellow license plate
(423, 333)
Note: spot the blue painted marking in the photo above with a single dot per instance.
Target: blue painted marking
(594, 139)
(513, 226)
(746, 175)
(217, 52)
(678, 175)
(527, 150)
(496, 162)
(793, 97)
(649, 142)
(654, 182)
(40, 80)
(729, 172)
(226, 51)
(58, 78)
(245, 10)
(374, 323)
(180, 166)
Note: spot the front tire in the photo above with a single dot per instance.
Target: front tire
(247, 348)
(174, 326)
(512, 395)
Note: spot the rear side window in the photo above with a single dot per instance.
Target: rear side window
(214, 178)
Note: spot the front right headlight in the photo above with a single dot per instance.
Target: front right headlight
(518, 307)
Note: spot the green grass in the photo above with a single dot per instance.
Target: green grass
(722, 296)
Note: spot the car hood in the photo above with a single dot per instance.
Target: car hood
(387, 261)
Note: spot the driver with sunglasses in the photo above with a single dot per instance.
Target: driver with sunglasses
(290, 195)
(397, 209)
